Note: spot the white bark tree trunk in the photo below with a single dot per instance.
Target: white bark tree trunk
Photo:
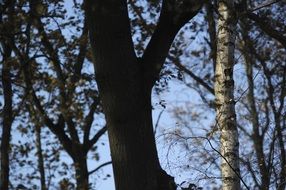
(225, 104)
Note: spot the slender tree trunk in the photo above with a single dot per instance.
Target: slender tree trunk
(8, 97)
(277, 119)
(256, 134)
(211, 31)
(40, 157)
(7, 122)
(257, 137)
(224, 89)
(81, 171)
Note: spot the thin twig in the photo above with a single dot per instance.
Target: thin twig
(209, 142)
(265, 4)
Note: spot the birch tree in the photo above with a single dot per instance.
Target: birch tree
(224, 89)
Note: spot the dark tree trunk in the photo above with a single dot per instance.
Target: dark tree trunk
(40, 157)
(129, 121)
(81, 170)
(7, 123)
(8, 95)
(125, 84)
(257, 136)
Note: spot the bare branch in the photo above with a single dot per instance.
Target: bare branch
(95, 138)
(57, 65)
(173, 16)
(269, 30)
(99, 167)
(89, 119)
(157, 122)
(264, 4)
(195, 77)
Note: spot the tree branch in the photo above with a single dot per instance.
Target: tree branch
(82, 53)
(173, 16)
(95, 138)
(89, 119)
(99, 167)
(157, 122)
(269, 30)
(57, 65)
(212, 31)
(265, 4)
(195, 77)
(57, 129)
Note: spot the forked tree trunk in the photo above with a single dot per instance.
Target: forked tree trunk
(126, 97)
(224, 89)
(125, 84)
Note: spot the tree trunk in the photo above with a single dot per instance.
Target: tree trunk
(257, 136)
(277, 112)
(126, 97)
(125, 83)
(8, 97)
(40, 157)
(129, 123)
(7, 123)
(81, 171)
(225, 104)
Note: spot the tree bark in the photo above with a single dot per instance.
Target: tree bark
(8, 98)
(81, 171)
(125, 84)
(225, 104)
(7, 122)
(40, 157)
(212, 32)
(127, 105)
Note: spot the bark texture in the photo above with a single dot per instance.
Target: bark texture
(225, 104)
(7, 122)
(126, 100)
(125, 84)
(81, 171)
(7, 94)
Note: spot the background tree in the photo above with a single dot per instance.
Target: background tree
(192, 127)
(60, 95)
(7, 113)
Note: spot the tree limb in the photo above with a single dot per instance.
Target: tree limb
(57, 65)
(173, 16)
(95, 138)
(195, 77)
(269, 30)
(89, 119)
(99, 167)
